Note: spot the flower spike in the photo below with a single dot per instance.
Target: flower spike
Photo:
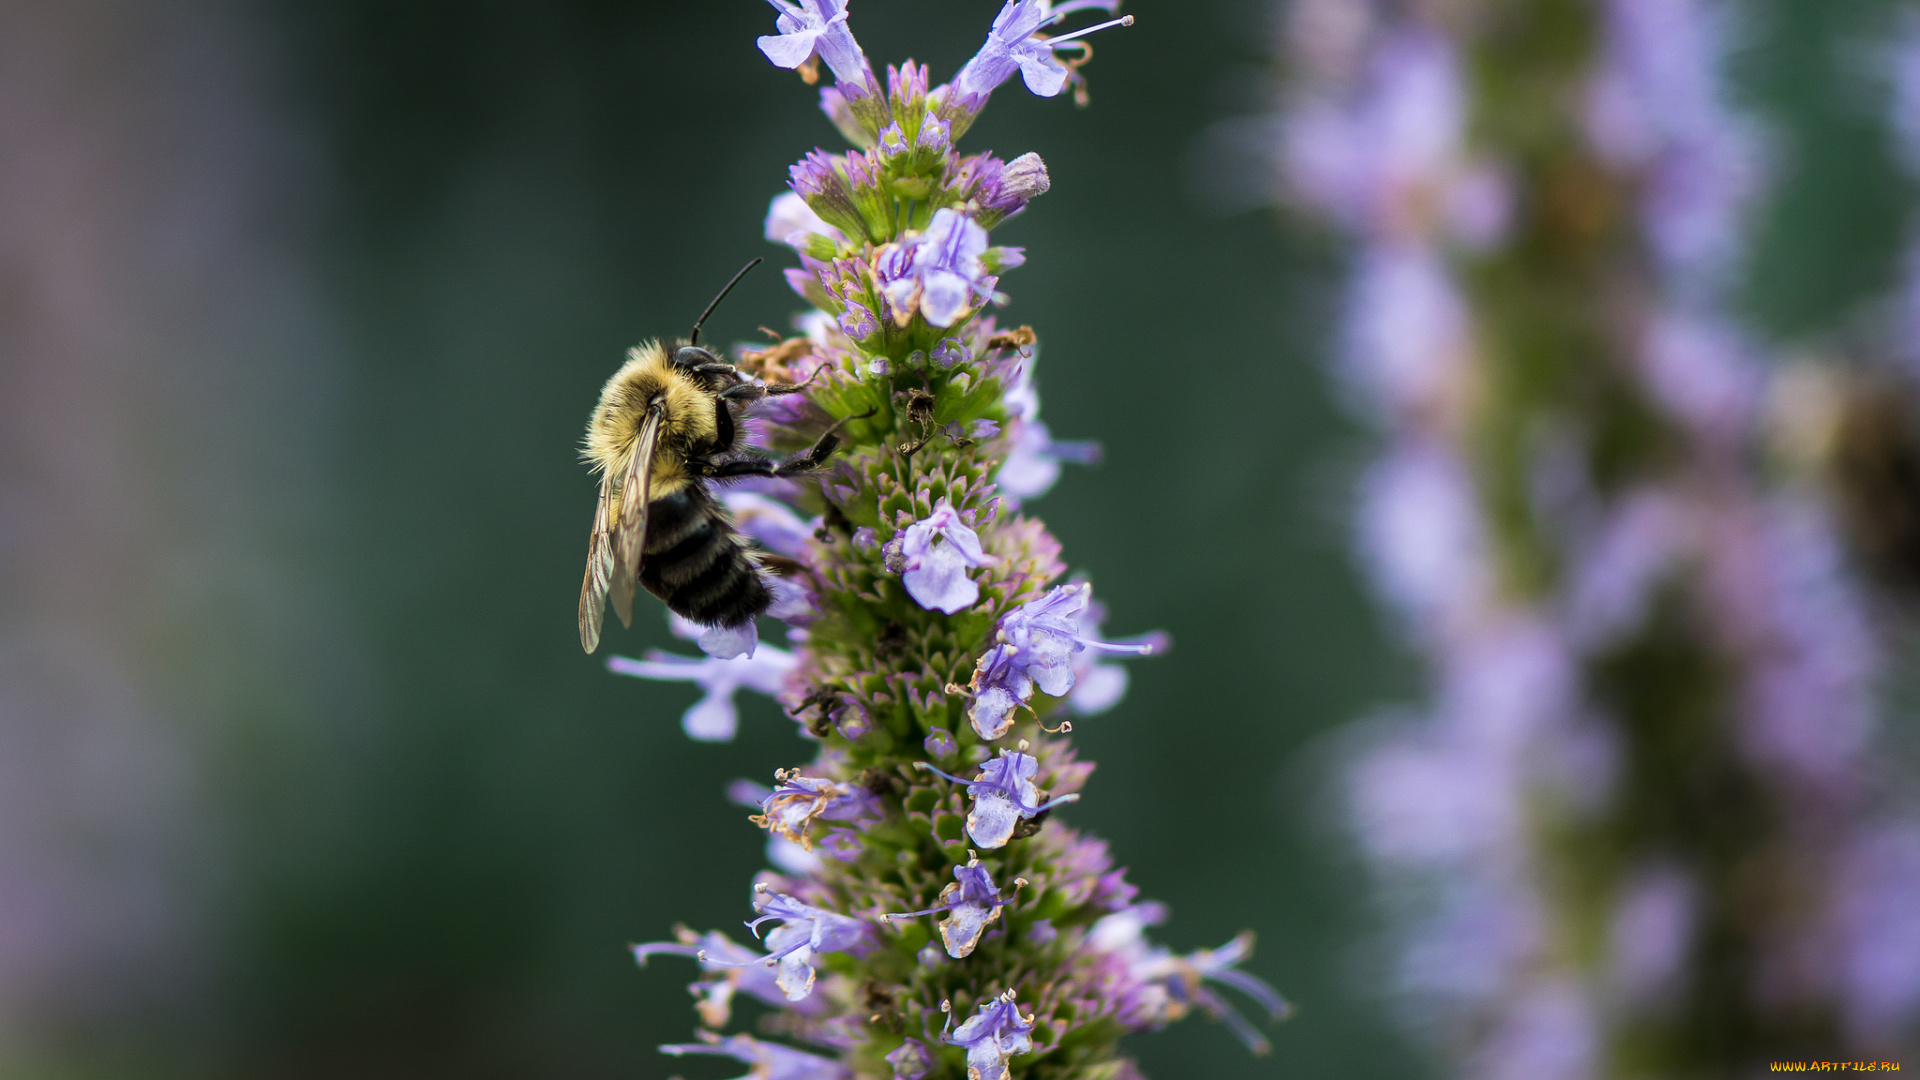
(901, 427)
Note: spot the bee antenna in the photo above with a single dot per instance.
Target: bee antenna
(694, 338)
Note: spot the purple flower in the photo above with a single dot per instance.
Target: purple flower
(1658, 104)
(1003, 189)
(934, 137)
(911, 1061)
(713, 718)
(1099, 686)
(971, 904)
(731, 969)
(804, 933)
(822, 184)
(1037, 645)
(723, 642)
(1014, 44)
(934, 554)
(770, 1061)
(1877, 927)
(792, 222)
(852, 721)
(1000, 685)
(771, 522)
(939, 743)
(792, 603)
(1003, 795)
(1181, 980)
(973, 432)
(941, 273)
(791, 809)
(991, 1036)
(950, 351)
(858, 323)
(1033, 462)
(816, 27)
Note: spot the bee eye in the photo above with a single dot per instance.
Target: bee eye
(693, 356)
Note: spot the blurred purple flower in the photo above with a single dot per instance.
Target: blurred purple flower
(1180, 982)
(713, 718)
(731, 969)
(770, 1061)
(1032, 465)
(804, 933)
(1099, 685)
(792, 222)
(771, 522)
(911, 1061)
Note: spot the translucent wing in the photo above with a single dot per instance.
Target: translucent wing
(630, 532)
(593, 591)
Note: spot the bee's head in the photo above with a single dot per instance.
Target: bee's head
(690, 356)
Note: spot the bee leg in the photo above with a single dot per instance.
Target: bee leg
(751, 391)
(816, 455)
(795, 387)
(805, 461)
(793, 465)
(744, 392)
(736, 467)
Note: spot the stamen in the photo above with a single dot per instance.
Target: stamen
(1124, 20)
(937, 772)
(1065, 728)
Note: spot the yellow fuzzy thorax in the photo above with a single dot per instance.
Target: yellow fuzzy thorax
(686, 426)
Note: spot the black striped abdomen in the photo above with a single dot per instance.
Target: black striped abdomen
(698, 563)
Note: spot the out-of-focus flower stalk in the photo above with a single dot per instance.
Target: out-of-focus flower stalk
(1627, 836)
(929, 918)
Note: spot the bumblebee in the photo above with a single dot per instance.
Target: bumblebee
(668, 422)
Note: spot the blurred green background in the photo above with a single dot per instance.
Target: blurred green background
(304, 306)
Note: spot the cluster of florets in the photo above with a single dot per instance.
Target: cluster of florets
(927, 917)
